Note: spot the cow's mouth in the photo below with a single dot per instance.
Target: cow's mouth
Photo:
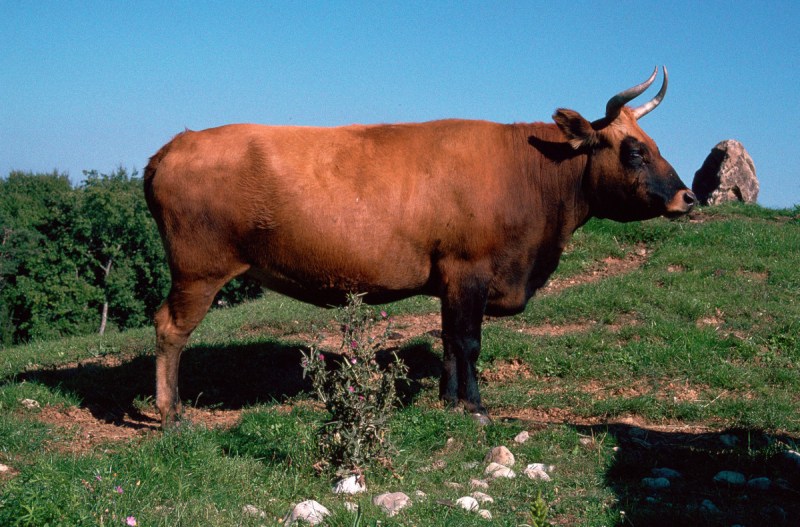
(681, 203)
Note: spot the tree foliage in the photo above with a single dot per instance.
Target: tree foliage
(77, 259)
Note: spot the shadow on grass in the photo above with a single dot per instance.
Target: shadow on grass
(695, 498)
(227, 377)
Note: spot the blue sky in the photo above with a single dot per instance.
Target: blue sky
(94, 85)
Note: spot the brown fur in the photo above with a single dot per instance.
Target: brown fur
(474, 212)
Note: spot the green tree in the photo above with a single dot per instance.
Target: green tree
(83, 259)
(125, 253)
(46, 290)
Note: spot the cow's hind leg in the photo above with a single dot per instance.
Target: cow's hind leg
(462, 315)
(175, 320)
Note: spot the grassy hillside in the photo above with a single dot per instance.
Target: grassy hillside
(657, 344)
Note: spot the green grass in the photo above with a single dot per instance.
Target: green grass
(699, 340)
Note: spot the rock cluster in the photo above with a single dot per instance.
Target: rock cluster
(662, 479)
(499, 462)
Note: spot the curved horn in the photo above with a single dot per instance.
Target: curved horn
(615, 103)
(648, 107)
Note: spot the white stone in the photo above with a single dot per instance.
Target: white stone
(759, 483)
(544, 467)
(29, 403)
(655, 483)
(537, 474)
(708, 505)
(350, 506)
(392, 502)
(350, 485)
(793, 457)
(468, 503)
(730, 477)
(522, 437)
(308, 511)
(773, 514)
(419, 494)
(637, 432)
(539, 471)
(664, 472)
(4, 468)
(486, 515)
(500, 455)
(482, 498)
(478, 484)
(252, 510)
(496, 470)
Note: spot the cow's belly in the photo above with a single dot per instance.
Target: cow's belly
(324, 273)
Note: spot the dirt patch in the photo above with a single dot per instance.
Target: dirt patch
(753, 276)
(610, 266)
(558, 330)
(504, 371)
(716, 320)
(538, 418)
(83, 431)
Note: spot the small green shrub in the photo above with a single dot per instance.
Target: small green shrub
(539, 511)
(358, 393)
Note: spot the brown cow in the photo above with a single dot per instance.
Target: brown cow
(475, 213)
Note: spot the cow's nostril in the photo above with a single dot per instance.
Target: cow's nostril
(689, 198)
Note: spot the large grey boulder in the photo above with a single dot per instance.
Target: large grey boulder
(727, 174)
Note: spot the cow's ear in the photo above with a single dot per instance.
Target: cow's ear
(578, 130)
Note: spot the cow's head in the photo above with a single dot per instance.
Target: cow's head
(626, 178)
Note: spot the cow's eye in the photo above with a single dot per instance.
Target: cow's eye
(635, 157)
(633, 153)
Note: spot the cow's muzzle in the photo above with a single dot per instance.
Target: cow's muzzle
(682, 202)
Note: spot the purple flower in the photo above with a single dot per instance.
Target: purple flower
(351, 389)
(98, 477)
(384, 314)
(118, 489)
(353, 344)
(353, 360)
(131, 520)
(321, 356)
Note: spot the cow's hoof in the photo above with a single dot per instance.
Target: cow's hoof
(481, 419)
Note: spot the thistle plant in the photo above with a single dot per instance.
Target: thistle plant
(358, 393)
(539, 511)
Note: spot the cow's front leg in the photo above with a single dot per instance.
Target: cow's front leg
(462, 315)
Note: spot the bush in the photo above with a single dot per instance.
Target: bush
(359, 394)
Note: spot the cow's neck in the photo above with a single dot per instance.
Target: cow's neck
(557, 171)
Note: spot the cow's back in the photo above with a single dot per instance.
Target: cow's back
(366, 208)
